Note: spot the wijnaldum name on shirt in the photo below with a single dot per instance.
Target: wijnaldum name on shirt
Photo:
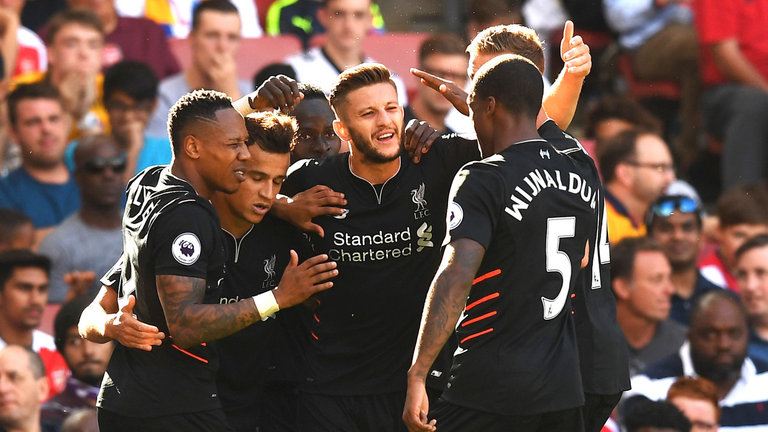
(540, 179)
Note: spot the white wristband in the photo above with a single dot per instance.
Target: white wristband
(266, 304)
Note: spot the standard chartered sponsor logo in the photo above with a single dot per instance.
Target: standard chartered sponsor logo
(378, 246)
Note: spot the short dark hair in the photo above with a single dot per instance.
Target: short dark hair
(624, 252)
(514, 81)
(756, 242)
(224, 6)
(37, 90)
(67, 317)
(12, 259)
(509, 39)
(311, 91)
(441, 43)
(270, 70)
(617, 150)
(743, 204)
(134, 78)
(622, 108)
(271, 131)
(191, 107)
(362, 75)
(82, 16)
(10, 221)
(659, 414)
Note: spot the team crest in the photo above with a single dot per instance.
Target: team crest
(455, 215)
(186, 249)
(417, 197)
(269, 269)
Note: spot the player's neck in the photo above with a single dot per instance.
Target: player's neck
(374, 173)
(13, 335)
(231, 223)
(509, 131)
(759, 324)
(191, 176)
(684, 280)
(638, 331)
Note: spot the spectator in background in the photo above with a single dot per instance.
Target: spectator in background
(175, 16)
(443, 55)
(90, 240)
(315, 137)
(675, 222)
(22, 389)
(42, 187)
(656, 417)
(742, 212)
(482, 14)
(752, 277)
(611, 115)
(75, 39)
(129, 38)
(300, 18)
(347, 22)
(716, 350)
(87, 360)
(697, 399)
(16, 230)
(636, 167)
(23, 295)
(662, 43)
(734, 70)
(641, 281)
(214, 42)
(31, 55)
(130, 95)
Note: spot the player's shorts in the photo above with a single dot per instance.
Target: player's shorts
(323, 413)
(205, 421)
(454, 418)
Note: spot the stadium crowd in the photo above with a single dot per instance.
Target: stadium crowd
(194, 236)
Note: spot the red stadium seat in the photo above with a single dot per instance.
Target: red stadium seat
(254, 54)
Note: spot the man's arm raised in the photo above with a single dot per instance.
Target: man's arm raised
(446, 300)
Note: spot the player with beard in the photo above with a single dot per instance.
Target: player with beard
(262, 251)
(716, 350)
(387, 246)
(172, 266)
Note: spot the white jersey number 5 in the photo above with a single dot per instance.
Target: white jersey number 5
(558, 262)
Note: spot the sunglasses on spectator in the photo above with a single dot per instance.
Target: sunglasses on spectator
(98, 165)
(666, 206)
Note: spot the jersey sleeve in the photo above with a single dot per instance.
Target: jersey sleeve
(112, 278)
(474, 205)
(182, 241)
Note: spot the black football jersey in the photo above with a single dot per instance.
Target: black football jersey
(533, 211)
(387, 245)
(602, 348)
(168, 230)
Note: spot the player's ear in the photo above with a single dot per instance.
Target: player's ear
(341, 130)
(624, 173)
(322, 16)
(191, 146)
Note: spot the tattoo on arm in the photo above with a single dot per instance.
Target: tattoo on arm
(190, 322)
(445, 301)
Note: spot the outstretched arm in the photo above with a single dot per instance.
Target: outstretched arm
(563, 97)
(445, 301)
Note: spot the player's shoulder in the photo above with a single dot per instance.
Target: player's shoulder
(318, 167)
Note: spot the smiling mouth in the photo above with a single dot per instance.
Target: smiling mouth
(240, 173)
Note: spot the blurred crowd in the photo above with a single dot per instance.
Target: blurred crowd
(674, 112)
